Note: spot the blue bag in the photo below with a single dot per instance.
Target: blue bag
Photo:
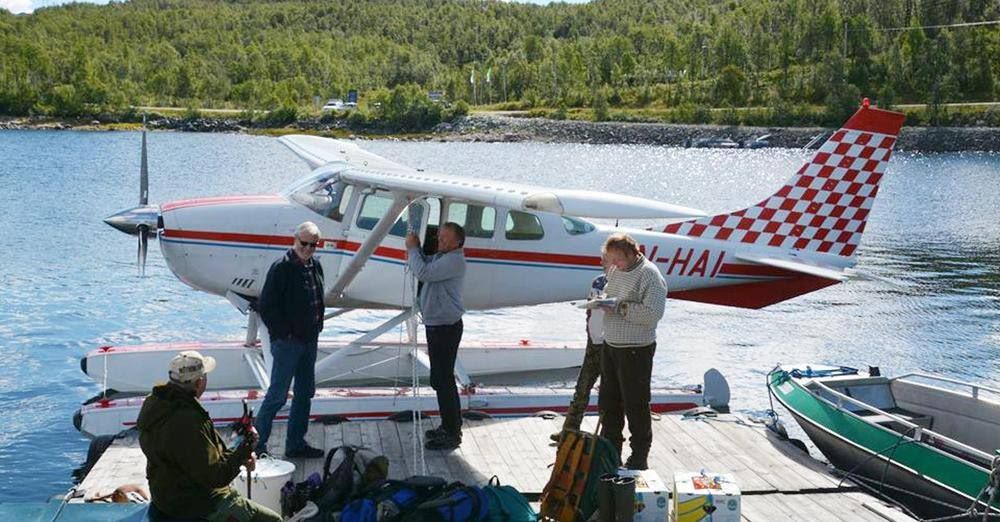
(359, 510)
(459, 503)
(398, 499)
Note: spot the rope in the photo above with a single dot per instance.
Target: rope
(771, 412)
(62, 504)
(410, 283)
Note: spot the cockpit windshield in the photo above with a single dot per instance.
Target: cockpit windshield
(326, 195)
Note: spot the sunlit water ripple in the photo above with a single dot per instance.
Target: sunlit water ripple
(69, 281)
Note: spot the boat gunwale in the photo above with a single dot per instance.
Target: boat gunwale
(865, 449)
(918, 432)
(975, 387)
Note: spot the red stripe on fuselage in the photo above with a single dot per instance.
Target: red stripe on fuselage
(383, 251)
(514, 255)
(729, 269)
(220, 200)
(228, 237)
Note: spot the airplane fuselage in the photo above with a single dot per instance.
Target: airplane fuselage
(227, 244)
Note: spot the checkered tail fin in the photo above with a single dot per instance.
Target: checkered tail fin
(825, 206)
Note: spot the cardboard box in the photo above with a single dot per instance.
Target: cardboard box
(705, 497)
(651, 495)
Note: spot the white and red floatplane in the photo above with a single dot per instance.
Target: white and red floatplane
(802, 238)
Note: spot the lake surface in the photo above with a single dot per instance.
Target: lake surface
(68, 282)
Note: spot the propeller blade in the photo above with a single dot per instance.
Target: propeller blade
(143, 247)
(144, 175)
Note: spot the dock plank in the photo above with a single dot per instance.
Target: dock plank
(780, 483)
(399, 467)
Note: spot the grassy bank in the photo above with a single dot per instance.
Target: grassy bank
(952, 115)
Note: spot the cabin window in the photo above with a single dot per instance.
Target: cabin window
(328, 198)
(477, 220)
(523, 226)
(434, 218)
(375, 206)
(433, 224)
(576, 226)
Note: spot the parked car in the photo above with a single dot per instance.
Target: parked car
(335, 104)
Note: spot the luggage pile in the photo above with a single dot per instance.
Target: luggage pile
(358, 490)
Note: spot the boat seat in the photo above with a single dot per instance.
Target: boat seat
(879, 395)
(924, 421)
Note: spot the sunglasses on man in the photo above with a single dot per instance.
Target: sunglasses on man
(308, 244)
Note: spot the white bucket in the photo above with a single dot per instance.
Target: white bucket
(266, 482)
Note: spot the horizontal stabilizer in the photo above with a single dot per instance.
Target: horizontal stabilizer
(796, 265)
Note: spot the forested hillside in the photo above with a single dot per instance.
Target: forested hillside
(83, 59)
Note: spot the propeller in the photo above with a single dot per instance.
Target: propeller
(142, 228)
(143, 219)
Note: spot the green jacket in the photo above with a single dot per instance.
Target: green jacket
(187, 464)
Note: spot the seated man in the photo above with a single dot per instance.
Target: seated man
(188, 466)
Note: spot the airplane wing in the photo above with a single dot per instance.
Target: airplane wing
(373, 170)
(318, 151)
(797, 265)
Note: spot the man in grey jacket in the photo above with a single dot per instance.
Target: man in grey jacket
(442, 275)
(630, 339)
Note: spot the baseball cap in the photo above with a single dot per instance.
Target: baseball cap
(189, 366)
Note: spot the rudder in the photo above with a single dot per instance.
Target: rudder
(825, 206)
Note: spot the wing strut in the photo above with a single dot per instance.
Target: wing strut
(399, 202)
(376, 236)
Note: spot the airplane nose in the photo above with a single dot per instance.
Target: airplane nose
(129, 220)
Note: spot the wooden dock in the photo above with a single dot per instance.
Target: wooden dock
(778, 481)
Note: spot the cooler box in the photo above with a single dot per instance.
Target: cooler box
(708, 497)
(651, 495)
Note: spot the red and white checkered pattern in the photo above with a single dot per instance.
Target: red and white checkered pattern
(823, 208)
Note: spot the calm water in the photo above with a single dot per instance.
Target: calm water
(68, 283)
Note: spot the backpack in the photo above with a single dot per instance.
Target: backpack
(507, 504)
(359, 470)
(571, 492)
(458, 503)
(396, 500)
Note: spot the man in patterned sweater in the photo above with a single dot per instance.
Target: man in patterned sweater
(630, 338)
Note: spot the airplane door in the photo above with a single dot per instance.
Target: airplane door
(481, 254)
(383, 281)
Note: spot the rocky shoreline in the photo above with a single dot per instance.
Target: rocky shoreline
(489, 128)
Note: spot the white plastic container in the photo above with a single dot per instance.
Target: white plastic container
(266, 482)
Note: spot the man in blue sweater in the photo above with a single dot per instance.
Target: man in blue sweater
(442, 275)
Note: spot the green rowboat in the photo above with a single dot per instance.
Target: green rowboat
(927, 441)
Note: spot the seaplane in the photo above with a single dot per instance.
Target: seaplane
(803, 238)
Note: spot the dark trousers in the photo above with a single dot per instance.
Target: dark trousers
(442, 347)
(590, 370)
(625, 377)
